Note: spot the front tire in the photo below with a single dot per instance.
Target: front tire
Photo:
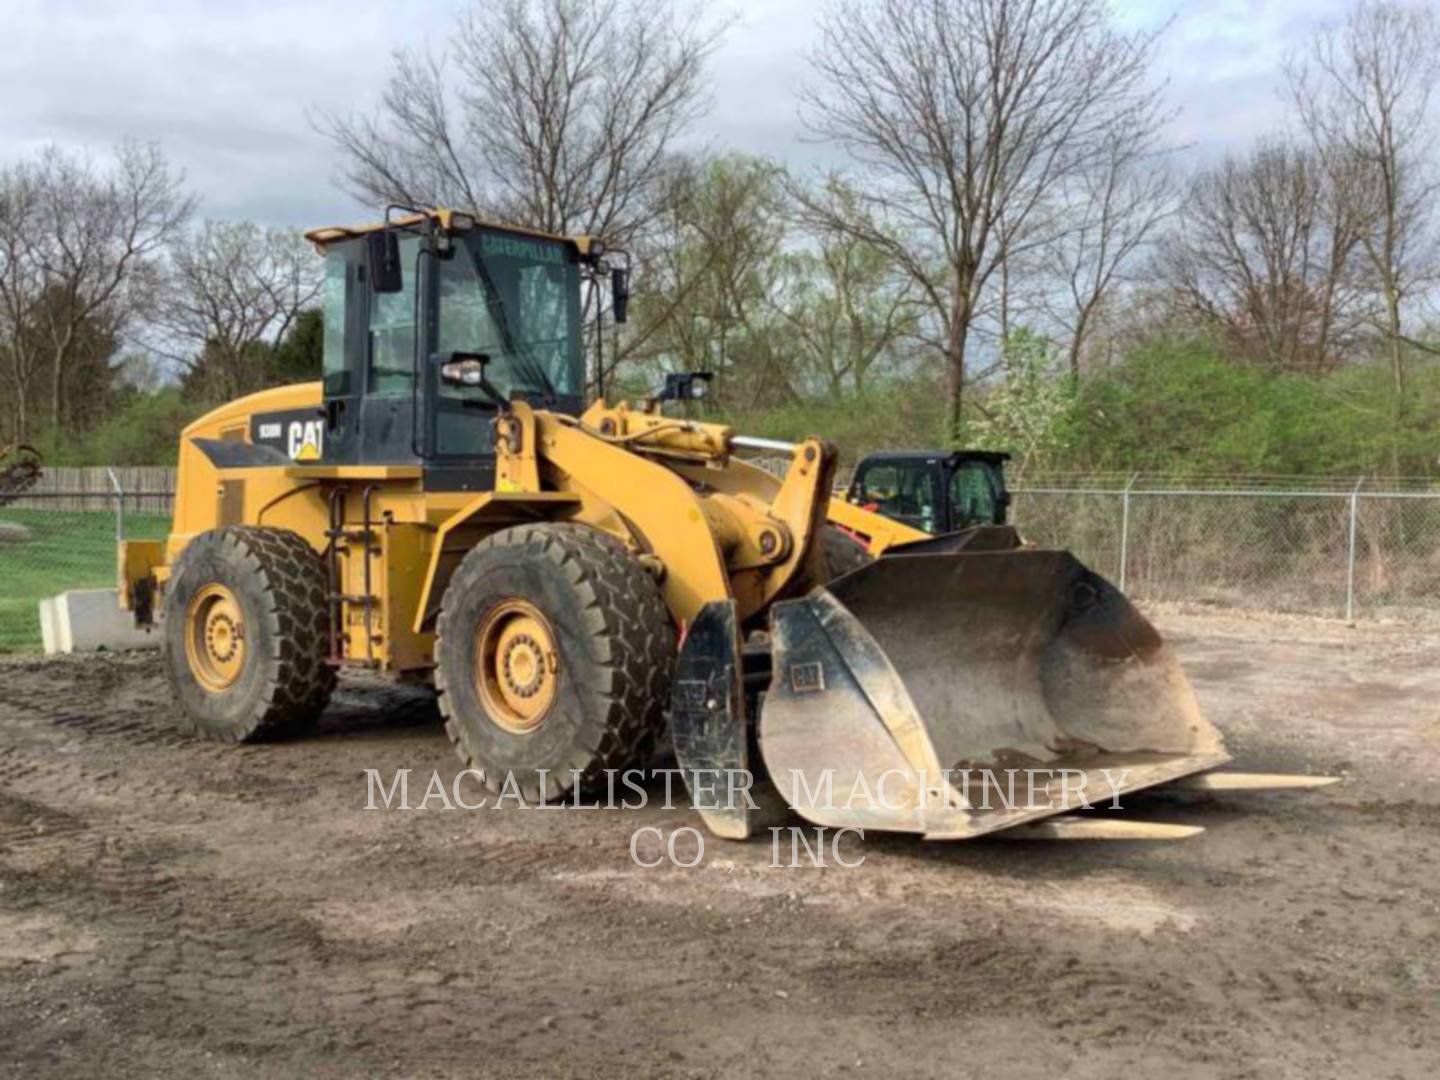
(554, 651)
(245, 636)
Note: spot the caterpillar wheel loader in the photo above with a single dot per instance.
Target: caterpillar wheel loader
(573, 578)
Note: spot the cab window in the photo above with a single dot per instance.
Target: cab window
(392, 329)
(337, 306)
(972, 495)
(906, 492)
(516, 301)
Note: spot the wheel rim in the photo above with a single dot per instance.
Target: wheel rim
(516, 666)
(215, 638)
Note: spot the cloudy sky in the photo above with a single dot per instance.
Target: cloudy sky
(228, 87)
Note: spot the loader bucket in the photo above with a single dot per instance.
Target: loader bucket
(955, 693)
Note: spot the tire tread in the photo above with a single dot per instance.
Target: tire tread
(295, 587)
(625, 616)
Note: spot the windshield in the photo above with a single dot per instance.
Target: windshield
(515, 299)
(905, 491)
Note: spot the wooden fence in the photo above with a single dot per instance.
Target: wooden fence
(148, 489)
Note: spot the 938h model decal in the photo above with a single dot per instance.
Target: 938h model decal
(299, 434)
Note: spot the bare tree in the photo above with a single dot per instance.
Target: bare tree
(557, 114)
(232, 292)
(713, 264)
(22, 284)
(846, 307)
(1363, 91)
(1113, 211)
(1264, 251)
(76, 245)
(966, 116)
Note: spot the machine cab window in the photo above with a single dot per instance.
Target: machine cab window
(974, 495)
(339, 288)
(937, 491)
(514, 300)
(392, 329)
(905, 491)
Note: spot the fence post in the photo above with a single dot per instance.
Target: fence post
(119, 505)
(1350, 554)
(1125, 527)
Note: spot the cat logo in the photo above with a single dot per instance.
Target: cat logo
(305, 440)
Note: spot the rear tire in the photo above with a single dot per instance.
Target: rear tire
(843, 552)
(554, 651)
(245, 636)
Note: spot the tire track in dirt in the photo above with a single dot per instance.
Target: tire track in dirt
(190, 907)
(190, 956)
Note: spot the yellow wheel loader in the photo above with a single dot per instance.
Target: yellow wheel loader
(575, 580)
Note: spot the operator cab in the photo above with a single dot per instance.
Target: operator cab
(413, 304)
(935, 491)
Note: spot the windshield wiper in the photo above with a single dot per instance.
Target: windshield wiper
(532, 371)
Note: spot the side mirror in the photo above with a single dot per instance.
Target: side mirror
(620, 292)
(385, 272)
(467, 369)
(464, 369)
(684, 386)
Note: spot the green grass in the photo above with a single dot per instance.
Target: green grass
(64, 550)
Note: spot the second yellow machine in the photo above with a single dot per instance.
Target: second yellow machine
(444, 506)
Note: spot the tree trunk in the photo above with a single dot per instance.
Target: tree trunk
(57, 378)
(955, 358)
(958, 332)
(1397, 359)
(55, 383)
(1327, 315)
(1077, 342)
(21, 408)
(1005, 301)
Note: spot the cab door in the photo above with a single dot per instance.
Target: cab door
(395, 345)
(344, 307)
(460, 423)
(369, 358)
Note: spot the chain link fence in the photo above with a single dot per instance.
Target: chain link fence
(1343, 547)
(1357, 548)
(1353, 549)
(61, 533)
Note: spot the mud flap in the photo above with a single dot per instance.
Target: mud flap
(957, 693)
(712, 732)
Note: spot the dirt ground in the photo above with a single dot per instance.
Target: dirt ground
(171, 908)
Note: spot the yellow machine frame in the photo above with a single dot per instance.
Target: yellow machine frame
(709, 526)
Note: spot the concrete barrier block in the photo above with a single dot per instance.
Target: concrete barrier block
(49, 630)
(86, 620)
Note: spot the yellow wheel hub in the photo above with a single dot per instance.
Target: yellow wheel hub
(516, 665)
(215, 638)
